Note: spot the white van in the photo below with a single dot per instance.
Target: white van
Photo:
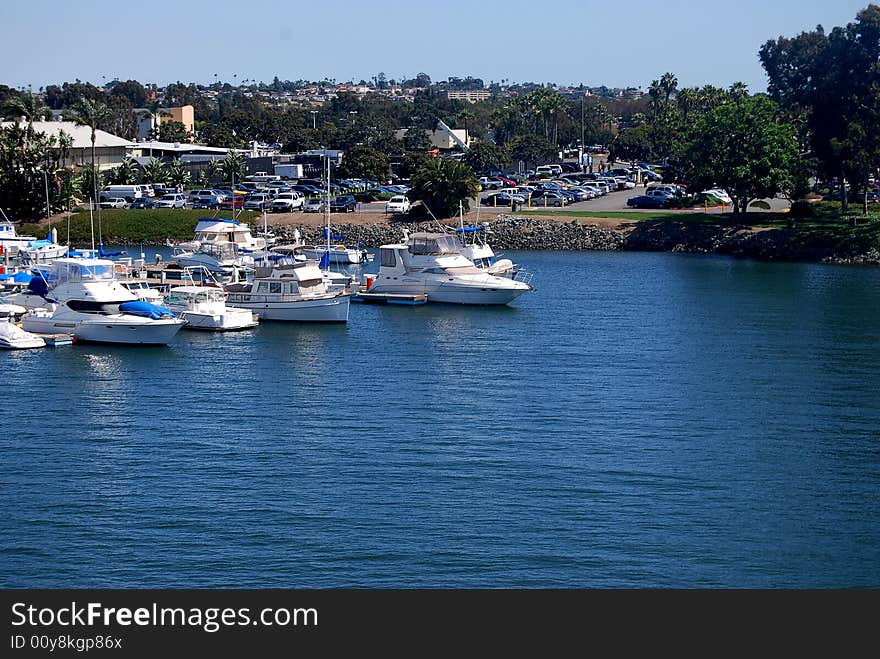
(127, 192)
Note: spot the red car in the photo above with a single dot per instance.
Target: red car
(236, 202)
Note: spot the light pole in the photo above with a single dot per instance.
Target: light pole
(581, 150)
(314, 115)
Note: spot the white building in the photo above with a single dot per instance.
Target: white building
(110, 150)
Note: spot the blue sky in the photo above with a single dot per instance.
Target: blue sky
(567, 42)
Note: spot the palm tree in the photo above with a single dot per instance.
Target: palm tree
(28, 107)
(155, 113)
(442, 184)
(92, 114)
(464, 116)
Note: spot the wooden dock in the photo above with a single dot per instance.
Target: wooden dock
(390, 298)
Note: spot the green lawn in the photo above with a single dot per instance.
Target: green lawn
(133, 225)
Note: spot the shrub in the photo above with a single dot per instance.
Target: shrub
(801, 208)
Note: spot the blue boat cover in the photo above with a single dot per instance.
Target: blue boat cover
(22, 278)
(141, 308)
(470, 229)
(37, 244)
(107, 254)
(332, 237)
(325, 260)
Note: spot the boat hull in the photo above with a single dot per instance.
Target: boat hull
(230, 320)
(122, 329)
(499, 292)
(322, 310)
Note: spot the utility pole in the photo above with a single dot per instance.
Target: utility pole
(581, 149)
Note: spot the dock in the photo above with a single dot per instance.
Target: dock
(55, 340)
(390, 298)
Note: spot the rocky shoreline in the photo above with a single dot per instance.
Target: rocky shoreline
(510, 232)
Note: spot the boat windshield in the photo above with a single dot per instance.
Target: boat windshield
(433, 245)
(79, 272)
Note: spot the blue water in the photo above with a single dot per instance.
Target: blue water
(641, 420)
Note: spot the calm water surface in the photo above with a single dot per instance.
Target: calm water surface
(642, 420)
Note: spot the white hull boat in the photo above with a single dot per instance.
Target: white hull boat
(432, 265)
(298, 292)
(205, 308)
(88, 302)
(12, 337)
(338, 254)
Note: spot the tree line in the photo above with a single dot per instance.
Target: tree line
(818, 121)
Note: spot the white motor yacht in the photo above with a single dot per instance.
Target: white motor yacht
(204, 308)
(83, 298)
(221, 245)
(432, 264)
(297, 291)
(338, 253)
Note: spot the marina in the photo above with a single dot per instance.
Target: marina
(683, 421)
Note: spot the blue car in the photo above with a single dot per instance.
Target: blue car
(645, 201)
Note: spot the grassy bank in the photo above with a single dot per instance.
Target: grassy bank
(122, 226)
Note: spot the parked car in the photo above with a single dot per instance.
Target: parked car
(205, 198)
(718, 193)
(398, 204)
(546, 198)
(115, 202)
(143, 202)
(647, 201)
(344, 203)
(173, 200)
(314, 205)
(258, 201)
(286, 202)
(502, 199)
(236, 201)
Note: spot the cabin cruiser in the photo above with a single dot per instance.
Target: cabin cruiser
(204, 308)
(432, 264)
(82, 297)
(295, 252)
(221, 245)
(297, 291)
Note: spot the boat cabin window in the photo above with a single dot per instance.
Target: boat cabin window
(263, 287)
(387, 258)
(274, 286)
(432, 245)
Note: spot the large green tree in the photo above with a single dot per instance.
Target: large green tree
(484, 157)
(442, 184)
(833, 81)
(744, 148)
(365, 162)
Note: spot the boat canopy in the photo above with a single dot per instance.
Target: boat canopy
(432, 243)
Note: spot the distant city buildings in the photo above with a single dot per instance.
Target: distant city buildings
(469, 95)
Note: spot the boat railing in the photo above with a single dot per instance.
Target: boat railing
(523, 277)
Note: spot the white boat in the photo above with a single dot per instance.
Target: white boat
(431, 264)
(29, 249)
(204, 308)
(83, 298)
(12, 337)
(294, 292)
(221, 245)
(338, 253)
